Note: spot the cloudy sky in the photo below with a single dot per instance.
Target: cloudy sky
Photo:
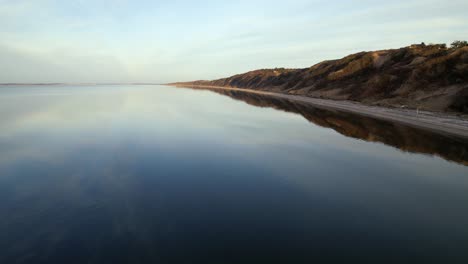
(163, 41)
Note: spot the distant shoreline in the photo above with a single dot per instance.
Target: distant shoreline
(433, 121)
(427, 77)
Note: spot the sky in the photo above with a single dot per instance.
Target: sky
(99, 41)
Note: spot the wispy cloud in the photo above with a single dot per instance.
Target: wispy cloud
(181, 40)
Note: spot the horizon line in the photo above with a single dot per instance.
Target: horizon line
(72, 83)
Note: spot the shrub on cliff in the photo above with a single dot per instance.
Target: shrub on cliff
(459, 44)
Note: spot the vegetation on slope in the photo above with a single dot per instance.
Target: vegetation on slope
(431, 77)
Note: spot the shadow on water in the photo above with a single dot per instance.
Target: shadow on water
(403, 137)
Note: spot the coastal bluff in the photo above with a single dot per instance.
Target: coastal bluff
(426, 77)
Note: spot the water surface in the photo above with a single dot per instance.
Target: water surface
(155, 174)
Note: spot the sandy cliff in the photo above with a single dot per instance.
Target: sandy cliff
(430, 77)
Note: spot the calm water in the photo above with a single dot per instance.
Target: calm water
(153, 174)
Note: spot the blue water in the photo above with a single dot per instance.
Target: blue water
(155, 174)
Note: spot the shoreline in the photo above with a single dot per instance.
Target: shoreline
(433, 121)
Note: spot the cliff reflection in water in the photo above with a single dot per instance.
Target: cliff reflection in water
(400, 136)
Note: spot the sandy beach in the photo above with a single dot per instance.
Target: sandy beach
(438, 122)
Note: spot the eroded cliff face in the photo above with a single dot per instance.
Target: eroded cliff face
(428, 77)
(403, 137)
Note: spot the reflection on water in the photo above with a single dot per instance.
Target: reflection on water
(403, 137)
(154, 174)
